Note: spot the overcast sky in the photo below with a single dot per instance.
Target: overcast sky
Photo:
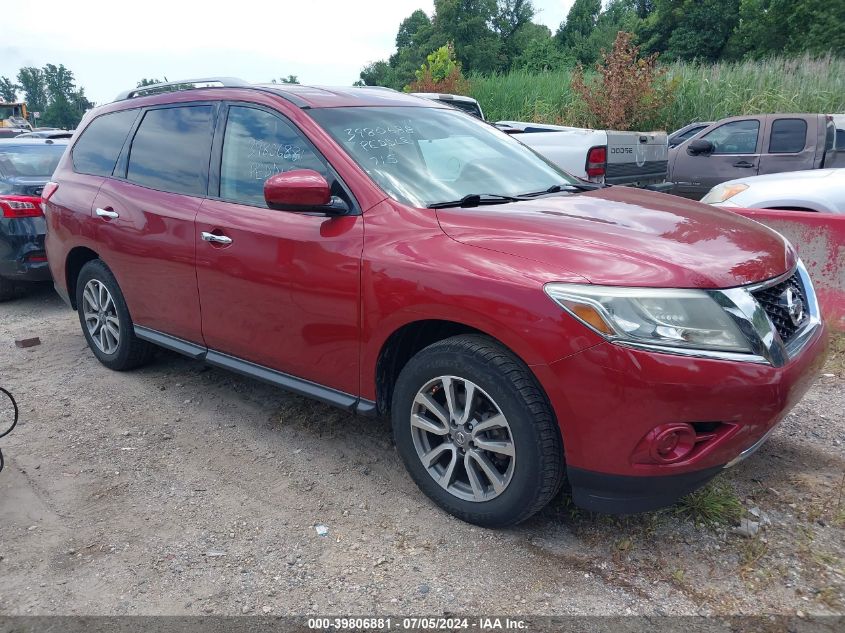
(111, 45)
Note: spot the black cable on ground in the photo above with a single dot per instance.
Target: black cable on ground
(14, 421)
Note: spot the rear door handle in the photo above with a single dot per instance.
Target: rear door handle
(217, 239)
(744, 164)
(105, 213)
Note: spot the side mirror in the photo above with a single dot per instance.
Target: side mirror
(700, 147)
(301, 190)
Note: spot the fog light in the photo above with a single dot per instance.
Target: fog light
(671, 442)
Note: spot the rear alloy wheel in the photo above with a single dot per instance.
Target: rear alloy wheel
(105, 319)
(100, 314)
(476, 432)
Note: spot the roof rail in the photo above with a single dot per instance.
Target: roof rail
(183, 84)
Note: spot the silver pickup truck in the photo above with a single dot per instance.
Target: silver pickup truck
(611, 157)
(607, 156)
(744, 146)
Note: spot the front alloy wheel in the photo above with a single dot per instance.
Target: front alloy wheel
(476, 432)
(462, 438)
(100, 314)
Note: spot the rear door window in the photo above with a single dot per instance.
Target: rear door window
(689, 134)
(171, 149)
(96, 151)
(736, 137)
(257, 145)
(788, 136)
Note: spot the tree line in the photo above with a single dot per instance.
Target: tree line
(50, 90)
(498, 36)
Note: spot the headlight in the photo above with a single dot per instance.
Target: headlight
(653, 316)
(720, 193)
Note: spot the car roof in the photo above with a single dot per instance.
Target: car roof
(300, 95)
(442, 96)
(341, 96)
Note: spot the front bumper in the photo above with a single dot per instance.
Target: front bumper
(609, 397)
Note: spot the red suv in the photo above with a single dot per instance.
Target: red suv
(393, 255)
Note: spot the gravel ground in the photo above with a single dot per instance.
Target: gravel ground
(182, 489)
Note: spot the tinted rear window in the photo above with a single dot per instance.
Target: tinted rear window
(170, 151)
(466, 106)
(788, 136)
(97, 149)
(30, 160)
(689, 133)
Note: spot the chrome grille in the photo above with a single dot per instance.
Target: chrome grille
(775, 303)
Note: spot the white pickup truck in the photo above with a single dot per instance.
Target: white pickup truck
(611, 157)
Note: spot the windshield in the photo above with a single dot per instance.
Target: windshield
(424, 156)
(30, 160)
(7, 111)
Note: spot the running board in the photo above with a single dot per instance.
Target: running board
(296, 385)
(191, 350)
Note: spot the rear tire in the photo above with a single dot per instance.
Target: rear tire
(105, 319)
(9, 290)
(508, 438)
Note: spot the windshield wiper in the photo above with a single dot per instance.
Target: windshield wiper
(477, 199)
(577, 186)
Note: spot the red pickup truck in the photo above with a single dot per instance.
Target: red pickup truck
(518, 325)
(744, 146)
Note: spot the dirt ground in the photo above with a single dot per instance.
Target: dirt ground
(181, 489)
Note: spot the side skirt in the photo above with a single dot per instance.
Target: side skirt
(296, 385)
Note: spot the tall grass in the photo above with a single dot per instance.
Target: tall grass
(702, 92)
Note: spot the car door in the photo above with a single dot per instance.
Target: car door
(736, 154)
(145, 217)
(790, 144)
(284, 293)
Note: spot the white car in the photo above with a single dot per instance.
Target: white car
(821, 190)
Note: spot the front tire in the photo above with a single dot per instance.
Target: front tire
(105, 319)
(476, 432)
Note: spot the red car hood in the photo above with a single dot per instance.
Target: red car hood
(623, 236)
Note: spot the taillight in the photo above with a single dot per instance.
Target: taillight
(597, 162)
(20, 206)
(49, 190)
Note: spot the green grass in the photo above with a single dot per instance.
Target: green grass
(703, 92)
(836, 358)
(714, 504)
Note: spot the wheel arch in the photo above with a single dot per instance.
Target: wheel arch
(76, 258)
(411, 337)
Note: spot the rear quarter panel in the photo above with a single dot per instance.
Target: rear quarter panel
(69, 215)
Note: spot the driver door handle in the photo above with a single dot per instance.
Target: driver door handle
(106, 213)
(743, 164)
(217, 239)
